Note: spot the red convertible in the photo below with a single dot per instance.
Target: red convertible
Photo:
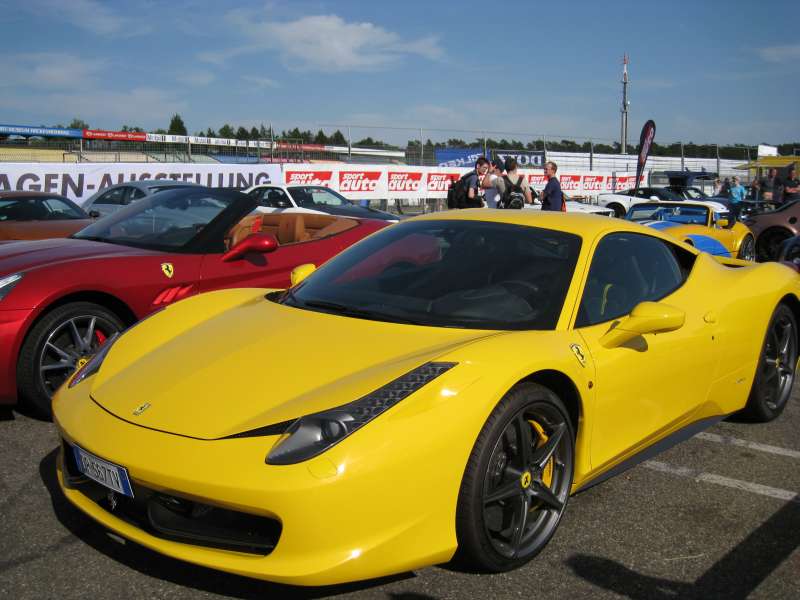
(61, 299)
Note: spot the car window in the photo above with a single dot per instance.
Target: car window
(115, 196)
(160, 188)
(310, 196)
(274, 198)
(58, 209)
(629, 268)
(469, 274)
(136, 194)
(22, 210)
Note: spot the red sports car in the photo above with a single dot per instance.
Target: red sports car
(61, 299)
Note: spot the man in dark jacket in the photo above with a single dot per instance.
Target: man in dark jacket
(552, 196)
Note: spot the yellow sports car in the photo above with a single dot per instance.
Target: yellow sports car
(708, 226)
(444, 385)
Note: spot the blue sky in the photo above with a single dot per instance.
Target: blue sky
(709, 71)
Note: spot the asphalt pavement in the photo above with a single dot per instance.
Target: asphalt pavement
(715, 517)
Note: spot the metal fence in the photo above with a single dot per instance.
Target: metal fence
(371, 144)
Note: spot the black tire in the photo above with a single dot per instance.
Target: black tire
(619, 210)
(506, 513)
(775, 372)
(51, 351)
(747, 249)
(768, 245)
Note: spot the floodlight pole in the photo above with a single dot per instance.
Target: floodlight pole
(623, 134)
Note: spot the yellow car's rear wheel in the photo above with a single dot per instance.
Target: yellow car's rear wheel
(517, 481)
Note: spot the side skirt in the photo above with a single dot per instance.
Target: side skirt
(666, 443)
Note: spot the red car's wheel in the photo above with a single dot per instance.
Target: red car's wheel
(54, 347)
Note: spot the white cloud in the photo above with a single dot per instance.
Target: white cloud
(102, 108)
(780, 54)
(93, 16)
(260, 82)
(196, 78)
(48, 71)
(324, 43)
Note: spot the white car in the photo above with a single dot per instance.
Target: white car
(315, 199)
(620, 202)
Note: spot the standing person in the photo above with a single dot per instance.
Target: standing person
(717, 187)
(768, 185)
(791, 186)
(511, 185)
(492, 192)
(725, 190)
(474, 197)
(737, 194)
(552, 196)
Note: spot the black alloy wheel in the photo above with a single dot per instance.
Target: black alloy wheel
(769, 244)
(62, 341)
(619, 210)
(517, 481)
(747, 249)
(775, 372)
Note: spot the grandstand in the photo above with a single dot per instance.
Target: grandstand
(25, 154)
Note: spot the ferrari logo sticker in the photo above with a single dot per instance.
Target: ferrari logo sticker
(578, 352)
(525, 480)
(168, 269)
(141, 409)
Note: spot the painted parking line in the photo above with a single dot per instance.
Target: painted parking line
(745, 486)
(732, 441)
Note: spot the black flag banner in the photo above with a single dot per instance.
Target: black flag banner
(645, 142)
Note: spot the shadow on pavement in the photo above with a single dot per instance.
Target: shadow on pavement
(735, 575)
(181, 573)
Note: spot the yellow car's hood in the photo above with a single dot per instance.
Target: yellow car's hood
(231, 361)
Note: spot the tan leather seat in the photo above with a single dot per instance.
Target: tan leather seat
(249, 224)
(291, 229)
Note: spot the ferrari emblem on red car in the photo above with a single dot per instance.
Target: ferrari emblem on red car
(168, 269)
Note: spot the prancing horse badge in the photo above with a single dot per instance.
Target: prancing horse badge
(168, 269)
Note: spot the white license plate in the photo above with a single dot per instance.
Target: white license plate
(103, 472)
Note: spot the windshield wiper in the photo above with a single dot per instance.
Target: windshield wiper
(358, 312)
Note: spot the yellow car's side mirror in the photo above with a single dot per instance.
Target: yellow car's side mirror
(723, 223)
(300, 272)
(646, 317)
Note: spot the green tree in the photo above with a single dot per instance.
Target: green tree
(338, 139)
(176, 125)
(78, 124)
(210, 133)
(160, 130)
(242, 133)
(321, 138)
(226, 132)
(254, 133)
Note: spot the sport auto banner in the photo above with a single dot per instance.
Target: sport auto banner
(375, 182)
(524, 158)
(78, 181)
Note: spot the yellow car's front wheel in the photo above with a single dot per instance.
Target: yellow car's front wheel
(747, 249)
(517, 481)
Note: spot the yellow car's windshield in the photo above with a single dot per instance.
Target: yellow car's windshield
(455, 273)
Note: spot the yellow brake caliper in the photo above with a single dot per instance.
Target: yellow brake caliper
(547, 472)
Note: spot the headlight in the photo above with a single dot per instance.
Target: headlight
(313, 434)
(93, 365)
(7, 283)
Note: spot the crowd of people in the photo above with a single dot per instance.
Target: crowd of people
(498, 184)
(771, 189)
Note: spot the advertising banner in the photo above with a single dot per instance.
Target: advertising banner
(457, 157)
(78, 181)
(40, 131)
(377, 182)
(645, 143)
(120, 136)
(525, 158)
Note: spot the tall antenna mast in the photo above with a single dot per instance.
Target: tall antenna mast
(623, 134)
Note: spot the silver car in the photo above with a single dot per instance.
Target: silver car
(114, 197)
